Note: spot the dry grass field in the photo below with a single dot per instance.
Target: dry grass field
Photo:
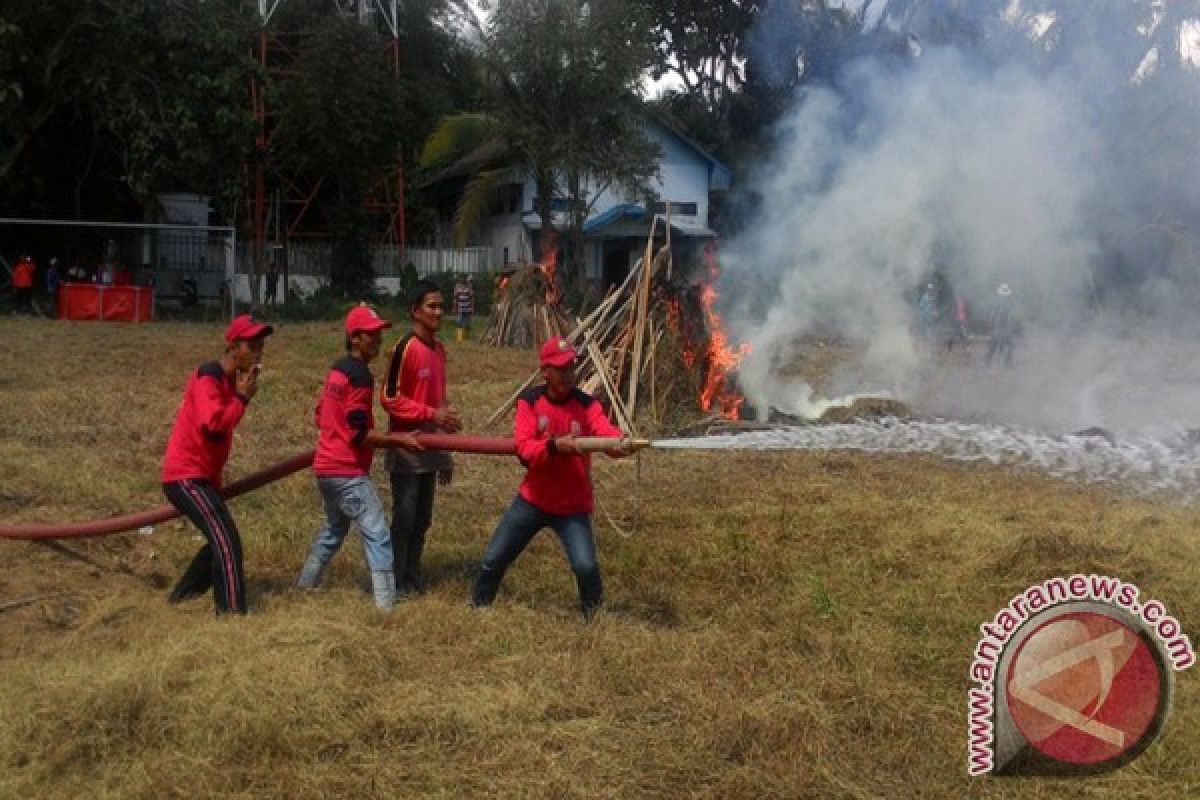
(791, 625)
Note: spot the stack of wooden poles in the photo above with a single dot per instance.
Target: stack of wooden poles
(619, 342)
(523, 313)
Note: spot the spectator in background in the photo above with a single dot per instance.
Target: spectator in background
(104, 275)
(53, 283)
(464, 306)
(189, 292)
(271, 295)
(22, 284)
(927, 312)
(1003, 326)
(77, 274)
(956, 329)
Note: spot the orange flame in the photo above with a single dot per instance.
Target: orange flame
(549, 267)
(722, 357)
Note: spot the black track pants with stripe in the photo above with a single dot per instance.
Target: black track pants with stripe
(218, 564)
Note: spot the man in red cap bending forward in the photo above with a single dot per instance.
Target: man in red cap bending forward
(213, 403)
(342, 463)
(557, 490)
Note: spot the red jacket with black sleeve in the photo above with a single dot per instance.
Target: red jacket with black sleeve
(413, 391)
(344, 416)
(203, 432)
(557, 483)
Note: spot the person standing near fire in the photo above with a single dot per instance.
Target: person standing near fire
(214, 402)
(342, 463)
(1003, 327)
(414, 395)
(557, 490)
(464, 306)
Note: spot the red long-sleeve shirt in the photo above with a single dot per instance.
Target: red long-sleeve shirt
(344, 416)
(412, 393)
(23, 274)
(203, 432)
(557, 483)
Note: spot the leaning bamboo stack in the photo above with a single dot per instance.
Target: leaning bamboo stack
(522, 315)
(630, 354)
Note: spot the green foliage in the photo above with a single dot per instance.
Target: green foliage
(476, 200)
(160, 87)
(456, 135)
(352, 274)
(341, 111)
(562, 78)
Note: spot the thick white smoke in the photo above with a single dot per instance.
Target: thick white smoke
(986, 175)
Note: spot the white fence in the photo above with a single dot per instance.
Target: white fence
(310, 263)
(316, 259)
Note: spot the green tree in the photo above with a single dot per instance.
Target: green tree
(562, 78)
(158, 87)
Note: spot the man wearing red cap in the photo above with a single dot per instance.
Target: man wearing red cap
(557, 490)
(213, 403)
(342, 464)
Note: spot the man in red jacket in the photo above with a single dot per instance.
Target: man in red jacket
(213, 403)
(414, 395)
(557, 490)
(23, 277)
(342, 463)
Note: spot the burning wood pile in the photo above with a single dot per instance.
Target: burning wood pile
(526, 309)
(654, 349)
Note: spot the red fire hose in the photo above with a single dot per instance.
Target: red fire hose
(459, 443)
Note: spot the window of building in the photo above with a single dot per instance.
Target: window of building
(557, 204)
(680, 209)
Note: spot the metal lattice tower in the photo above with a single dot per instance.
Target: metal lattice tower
(290, 204)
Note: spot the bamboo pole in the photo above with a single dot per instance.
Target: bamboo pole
(602, 369)
(643, 299)
(599, 315)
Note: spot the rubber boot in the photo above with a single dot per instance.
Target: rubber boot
(383, 583)
(310, 575)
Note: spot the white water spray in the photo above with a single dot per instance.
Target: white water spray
(1141, 464)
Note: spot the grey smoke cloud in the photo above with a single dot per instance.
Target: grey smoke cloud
(988, 173)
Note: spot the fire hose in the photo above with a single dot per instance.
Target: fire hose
(457, 443)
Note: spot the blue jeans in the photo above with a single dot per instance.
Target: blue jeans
(517, 528)
(348, 500)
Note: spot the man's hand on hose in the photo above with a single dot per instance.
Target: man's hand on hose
(566, 445)
(448, 419)
(625, 448)
(405, 441)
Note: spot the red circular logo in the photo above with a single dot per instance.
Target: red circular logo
(1084, 688)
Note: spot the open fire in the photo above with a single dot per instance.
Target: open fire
(710, 348)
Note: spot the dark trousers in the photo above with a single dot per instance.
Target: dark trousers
(516, 530)
(412, 513)
(218, 564)
(1000, 346)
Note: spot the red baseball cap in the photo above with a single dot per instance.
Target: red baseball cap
(364, 318)
(557, 352)
(247, 327)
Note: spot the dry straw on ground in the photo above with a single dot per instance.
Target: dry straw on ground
(779, 625)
